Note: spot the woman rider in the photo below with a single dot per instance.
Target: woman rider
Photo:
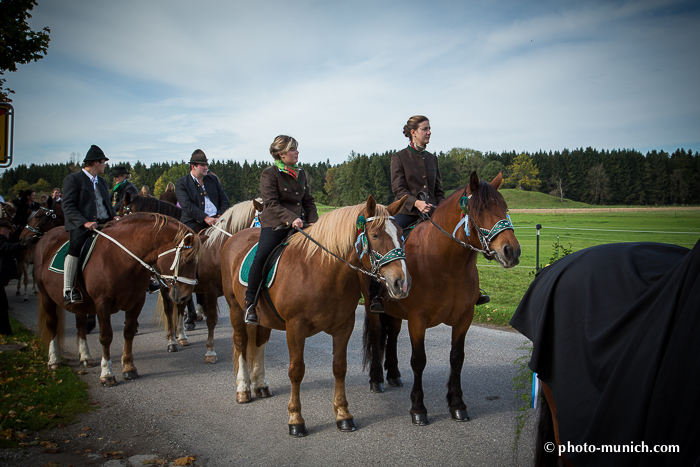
(287, 203)
(413, 170)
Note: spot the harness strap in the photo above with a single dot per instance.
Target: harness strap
(176, 263)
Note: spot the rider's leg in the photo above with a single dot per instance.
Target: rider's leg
(269, 239)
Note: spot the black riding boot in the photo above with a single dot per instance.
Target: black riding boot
(483, 298)
(191, 316)
(376, 291)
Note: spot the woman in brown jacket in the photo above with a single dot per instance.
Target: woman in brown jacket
(169, 195)
(287, 204)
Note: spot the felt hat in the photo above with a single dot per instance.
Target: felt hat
(198, 157)
(95, 154)
(120, 170)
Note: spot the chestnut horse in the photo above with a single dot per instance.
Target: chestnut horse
(313, 292)
(136, 203)
(443, 269)
(116, 278)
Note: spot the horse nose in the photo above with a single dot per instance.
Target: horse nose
(512, 255)
(402, 286)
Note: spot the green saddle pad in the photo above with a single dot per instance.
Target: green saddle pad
(60, 257)
(248, 261)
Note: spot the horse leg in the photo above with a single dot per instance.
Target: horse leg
(83, 350)
(343, 418)
(168, 306)
(256, 354)
(296, 339)
(212, 314)
(180, 325)
(48, 315)
(131, 324)
(392, 327)
(419, 414)
(107, 377)
(373, 349)
(240, 347)
(458, 409)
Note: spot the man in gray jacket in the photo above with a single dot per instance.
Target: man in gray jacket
(86, 205)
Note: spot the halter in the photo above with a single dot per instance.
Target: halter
(176, 263)
(376, 259)
(37, 230)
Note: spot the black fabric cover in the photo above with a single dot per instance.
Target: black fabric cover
(616, 335)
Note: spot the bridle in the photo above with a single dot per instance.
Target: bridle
(50, 213)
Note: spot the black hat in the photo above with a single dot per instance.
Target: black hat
(198, 157)
(95, 154)
(120, 170)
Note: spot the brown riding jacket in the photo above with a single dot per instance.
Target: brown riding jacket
(285, 199)
(413, 172)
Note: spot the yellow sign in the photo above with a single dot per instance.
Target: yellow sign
(6, 130)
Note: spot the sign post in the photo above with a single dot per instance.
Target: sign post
(7, 130)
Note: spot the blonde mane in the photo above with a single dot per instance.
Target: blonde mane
(336, 231)
(235, 219)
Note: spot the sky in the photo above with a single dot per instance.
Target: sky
(152, 81)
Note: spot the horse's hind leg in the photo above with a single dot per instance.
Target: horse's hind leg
(257, 340)
(419, 414)
(296, 339)
(83, 350)
(392, 327)
(240, 348)
(107, 377)
(343, 418)
(212, 314)
(49, 323)
(373, 350)
(455, 401)
(131, 324)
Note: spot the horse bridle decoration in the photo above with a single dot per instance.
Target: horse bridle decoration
(37, 230)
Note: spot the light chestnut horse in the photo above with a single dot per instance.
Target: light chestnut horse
(115, 280)
(312, 292)
(445, 273)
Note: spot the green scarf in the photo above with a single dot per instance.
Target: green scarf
(293, 170)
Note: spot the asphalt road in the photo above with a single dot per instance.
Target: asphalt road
(186, 404)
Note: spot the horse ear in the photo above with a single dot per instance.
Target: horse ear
(497, 181)
(127, 198)
(257, 202)
(371, 207)
(473, 183)
(396, 207)
(49, 203)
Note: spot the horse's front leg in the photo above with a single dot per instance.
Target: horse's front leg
(131, 324)
(458, 409)
(83, 350)
(182, 339)
(104, 317)
(168, 307)
(343, 418)
(416, 329)
(240, 349)
(296, 339)
(391, 327)
(257, 340)
(212, 314)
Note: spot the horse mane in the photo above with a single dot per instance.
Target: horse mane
(483, 198)
(149, 204)
(235, 219)
(336, 231)
(160, 222)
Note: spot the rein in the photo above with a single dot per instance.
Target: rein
(376, 259)
(175, 266)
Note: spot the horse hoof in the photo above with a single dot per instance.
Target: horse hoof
(130, 375)
(108, 381)
(420, 419)
(173, 348)
(16, 294)
(395, 382)
(54, 366)
(376, 387)
(243, 397)
(263, 393)
(298, 431)
(346, 425)
(211, 359)
(460, 415)
(86, 363)
(183, 342)
(25, 300)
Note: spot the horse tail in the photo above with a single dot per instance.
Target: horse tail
(43, 330)
(159, 315)
(545, 434)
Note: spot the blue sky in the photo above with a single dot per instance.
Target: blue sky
(152, 81)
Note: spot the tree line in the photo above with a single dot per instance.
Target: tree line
(624, 176)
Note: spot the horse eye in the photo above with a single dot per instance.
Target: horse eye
(374, 236)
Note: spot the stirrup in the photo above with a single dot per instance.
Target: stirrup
(376, 305)
(251, 315)
(72, 297)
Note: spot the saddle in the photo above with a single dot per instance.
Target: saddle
(59, 258)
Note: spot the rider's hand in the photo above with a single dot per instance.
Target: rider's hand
(90, 225)
(210, 220)
(297, 224)
(423, 207)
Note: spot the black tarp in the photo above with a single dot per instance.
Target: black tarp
(616, 336)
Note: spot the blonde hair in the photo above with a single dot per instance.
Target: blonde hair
(282, 144)
(170, 187)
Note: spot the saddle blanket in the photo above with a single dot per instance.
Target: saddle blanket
(248, 262)
(60, 257)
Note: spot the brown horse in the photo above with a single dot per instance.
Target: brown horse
(313, 292)
(446, 287)
(236, 218)
(116, 278)
(136, 203)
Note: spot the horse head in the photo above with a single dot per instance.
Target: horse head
(178, 265)
(125, 208)
(489, 223)
(48, 216)
(384, 246)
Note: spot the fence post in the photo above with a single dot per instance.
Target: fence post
(537, 256)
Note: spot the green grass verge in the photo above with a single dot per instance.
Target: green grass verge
(32, 397)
